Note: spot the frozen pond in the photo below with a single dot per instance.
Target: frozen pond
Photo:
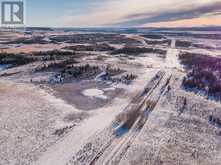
(94, 93)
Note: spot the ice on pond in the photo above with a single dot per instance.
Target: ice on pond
(94, 93)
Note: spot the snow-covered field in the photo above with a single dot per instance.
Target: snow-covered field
(173, 135)
(71, 122)
(28, 119)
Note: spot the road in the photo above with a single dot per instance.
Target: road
(172, 56)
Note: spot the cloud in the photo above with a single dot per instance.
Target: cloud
(168, 16)
(202, 21)
(141, 12)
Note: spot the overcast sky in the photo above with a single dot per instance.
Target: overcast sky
(123, 13)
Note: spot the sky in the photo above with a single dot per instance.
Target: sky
(123, 13)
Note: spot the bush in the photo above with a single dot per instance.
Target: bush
(84, 71)
(54, 53)
(15, 59)
(95, 47)
(184, 44)
(56, 65)
(154, 36)
(137, 51)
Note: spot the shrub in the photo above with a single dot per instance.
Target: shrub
(137, 51)
(15, 59)
(184, 44)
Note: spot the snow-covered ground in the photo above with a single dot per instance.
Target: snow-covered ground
(61, 152)
(175, 134)
(38, 127)
(28, 121)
